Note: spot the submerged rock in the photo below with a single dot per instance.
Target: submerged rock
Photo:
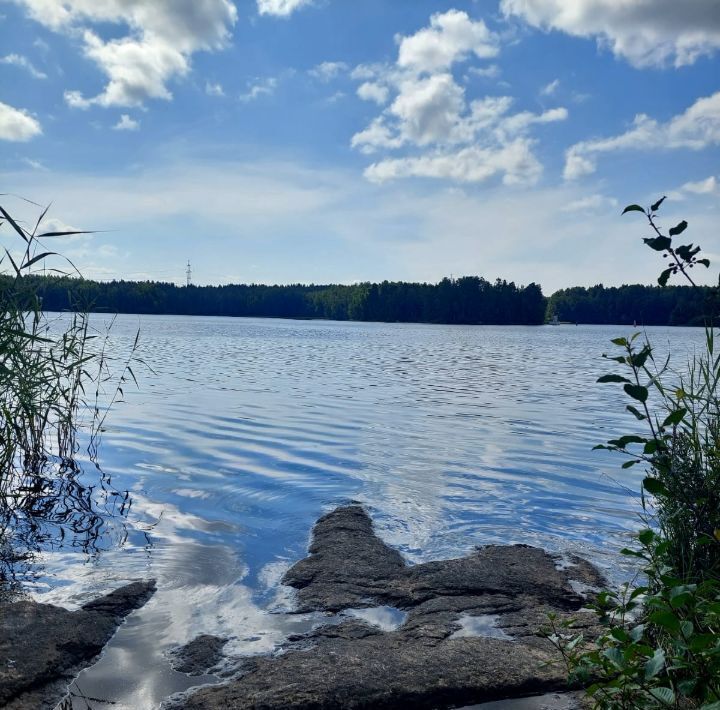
(42, 647)
(424, 663)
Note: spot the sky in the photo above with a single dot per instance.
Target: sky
(330, 141)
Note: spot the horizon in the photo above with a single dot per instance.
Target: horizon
(308, 141)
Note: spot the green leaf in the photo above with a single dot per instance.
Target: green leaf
(614, 655)
(619, 341)
(664, 695)
(678, 229)
(612, 378)
(633, 208)
(634, 411)
(639, 359)
(630, 464)
(674, 418)
(655, 664)
(623, 441)
(664, 276)
(636, 633)
(646, 536)
(654, 486)
(651, 447)
(666, 620)
(659, 243)
(656, 206)
(686, 252)
(686, 687)
(637, 392)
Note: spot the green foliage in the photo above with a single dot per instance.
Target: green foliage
(660, 647)
(52, 375)
(464, 300)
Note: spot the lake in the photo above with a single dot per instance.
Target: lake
(242, 432)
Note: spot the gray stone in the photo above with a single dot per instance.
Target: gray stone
(42, 647)
(199, 656)
(420, 664)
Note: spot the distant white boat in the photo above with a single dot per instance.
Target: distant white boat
(554, 321)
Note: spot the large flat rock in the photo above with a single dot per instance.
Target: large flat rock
(435, 658)
(42, 647)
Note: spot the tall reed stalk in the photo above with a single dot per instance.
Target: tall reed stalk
(52, 380)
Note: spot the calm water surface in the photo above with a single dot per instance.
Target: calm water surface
(249, 429)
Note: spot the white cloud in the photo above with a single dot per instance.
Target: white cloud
(696, 128)
(514, 161)
(126, 124)
(19, 60)
(709, 186)
(645, 32)
(427, 114)
(263, 87)
(326, 71)
(281, 8)
(371, 91)
(214, 89)
(591, 203)
(162, 37)
(551, 88)
(702, 187)
(451, 37)
(17, 124)
(490, 72)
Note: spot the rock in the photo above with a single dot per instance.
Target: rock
(42, 647)
(427, 662)
(199, 656)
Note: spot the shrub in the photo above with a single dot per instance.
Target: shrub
(661, 643)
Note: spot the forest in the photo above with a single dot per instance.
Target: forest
(466, 300)
(644, 305)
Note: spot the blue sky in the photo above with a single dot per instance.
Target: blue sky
(278, 141)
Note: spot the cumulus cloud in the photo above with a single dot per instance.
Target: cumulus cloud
(23, 62)
(451, 37)
(644, 32)
(17, 124)
(281, 8)
(126, 124)
(696, 128)
(161, 39)
(371, 91)
(428, 115)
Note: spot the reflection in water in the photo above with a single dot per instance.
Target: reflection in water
(482, 625)
(56, 507)
(453, 436)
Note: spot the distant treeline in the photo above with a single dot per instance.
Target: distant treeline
(466, 300)
(645, 305)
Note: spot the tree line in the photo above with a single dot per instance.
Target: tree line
(644, 305)
(466, 300)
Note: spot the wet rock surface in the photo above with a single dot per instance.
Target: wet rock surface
(199, 656)
(42, 647)
(424, 663)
